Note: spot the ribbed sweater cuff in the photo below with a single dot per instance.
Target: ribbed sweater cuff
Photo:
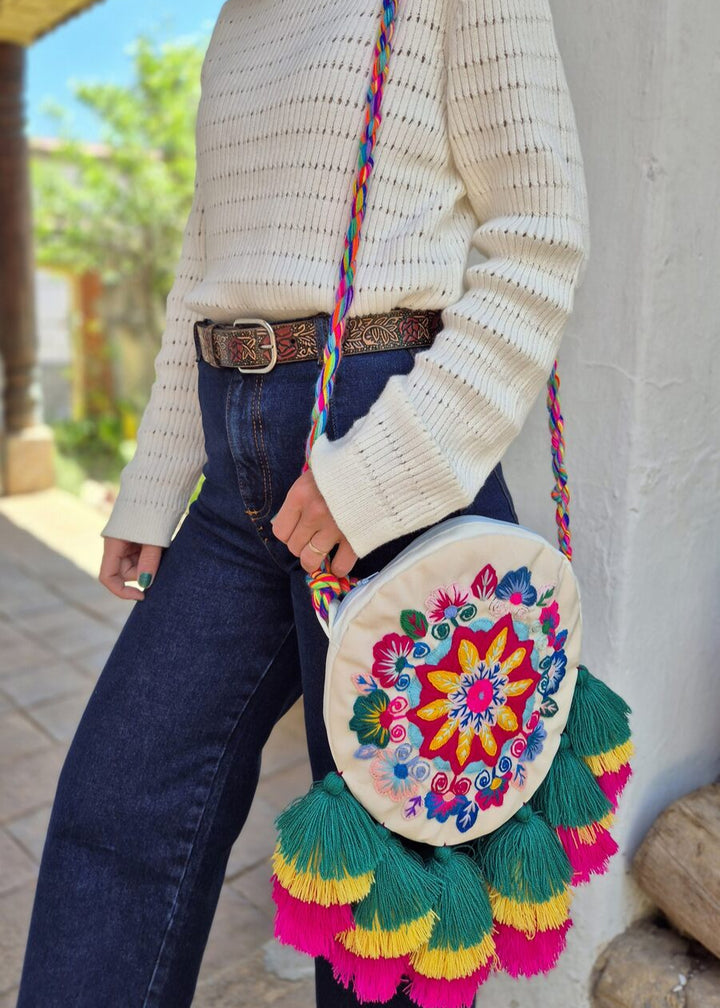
(143, 523)
(386, 477)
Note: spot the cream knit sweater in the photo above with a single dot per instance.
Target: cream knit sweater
(478, 146)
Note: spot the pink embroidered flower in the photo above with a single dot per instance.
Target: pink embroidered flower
(491, 789)
(445, 603)
(474, 701)
(549, 620)
(390, 658)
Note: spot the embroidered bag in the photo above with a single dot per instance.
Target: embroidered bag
(479, 763)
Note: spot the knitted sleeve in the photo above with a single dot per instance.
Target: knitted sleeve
(430, 440)
(156, 484)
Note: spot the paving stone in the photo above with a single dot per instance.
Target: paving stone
(254, 884)
(88, 595)
(20, 737)
(60, 717)
(238, 928)
(287, 963)
(257, 838)
(22, 593)
(280, 789)
(18, 651)
(286, 744)
(16, 866)
(92, 662)
(30, 783)
(66, 630)
(44, 683)
(15, 909)
(245, 982)
(29, 830)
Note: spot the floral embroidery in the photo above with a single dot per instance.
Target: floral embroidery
(441, 806)
(549, 620)
(553, 668)
(491, 788)
(450, 711)
(391, 659)
(534, 742)
(447, 607)
(471, 704)
(374, 714)
(398, 774)
(445, 603)
(514, 594)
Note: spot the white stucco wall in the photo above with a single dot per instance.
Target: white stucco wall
(639, 392)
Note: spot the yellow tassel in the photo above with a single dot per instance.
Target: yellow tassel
(452, 964)
(589, 834)
(612, 760)
(531, 917)
(311, 888)
(377, 943)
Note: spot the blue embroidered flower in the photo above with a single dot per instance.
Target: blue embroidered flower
(552, 667)
(515, 586)
(442, 806)
(534, 743)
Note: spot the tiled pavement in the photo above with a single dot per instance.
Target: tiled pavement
(57, 625)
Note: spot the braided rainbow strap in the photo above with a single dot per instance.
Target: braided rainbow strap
(560, 492)
(324, 586)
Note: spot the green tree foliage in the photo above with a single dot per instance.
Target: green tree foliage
(121, 210)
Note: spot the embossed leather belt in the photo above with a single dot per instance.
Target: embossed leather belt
(255, 345)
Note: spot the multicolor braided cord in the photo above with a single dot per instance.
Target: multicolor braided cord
(325, 586)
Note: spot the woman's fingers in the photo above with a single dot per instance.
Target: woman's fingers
(304, 515)
(127, 561)
(310, 559)
(145, 568)
(344, 560)
(305, 518)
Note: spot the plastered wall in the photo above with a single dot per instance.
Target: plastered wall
(640, 396)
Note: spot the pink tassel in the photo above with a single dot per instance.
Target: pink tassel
(372, 979)
(523, 956)
(613, 783)
(308, 927)
(587, 859)
(430, 993)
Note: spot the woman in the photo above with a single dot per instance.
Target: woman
(441, 365)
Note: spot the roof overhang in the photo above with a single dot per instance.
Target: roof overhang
(24, 21)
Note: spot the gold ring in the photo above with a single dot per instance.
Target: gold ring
(320, 552)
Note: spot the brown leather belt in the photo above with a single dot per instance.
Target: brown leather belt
(253, 344)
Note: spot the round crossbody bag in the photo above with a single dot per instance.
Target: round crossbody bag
(479, 763)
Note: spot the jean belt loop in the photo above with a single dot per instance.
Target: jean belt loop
(196, 338)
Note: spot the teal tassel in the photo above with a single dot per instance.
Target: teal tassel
(524, 859)
(397, 915)
(598, 720)
(464, 911)
(403, 890)
(569, 796)
(328, 832)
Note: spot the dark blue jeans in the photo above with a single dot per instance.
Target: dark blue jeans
(162, 769)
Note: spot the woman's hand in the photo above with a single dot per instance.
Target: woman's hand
(128, 561)
(304, 517)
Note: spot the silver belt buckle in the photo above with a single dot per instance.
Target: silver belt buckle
(272, 346)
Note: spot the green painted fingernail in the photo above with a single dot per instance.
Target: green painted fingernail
(145, 579)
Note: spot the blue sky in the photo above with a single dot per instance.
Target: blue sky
(92, 46)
